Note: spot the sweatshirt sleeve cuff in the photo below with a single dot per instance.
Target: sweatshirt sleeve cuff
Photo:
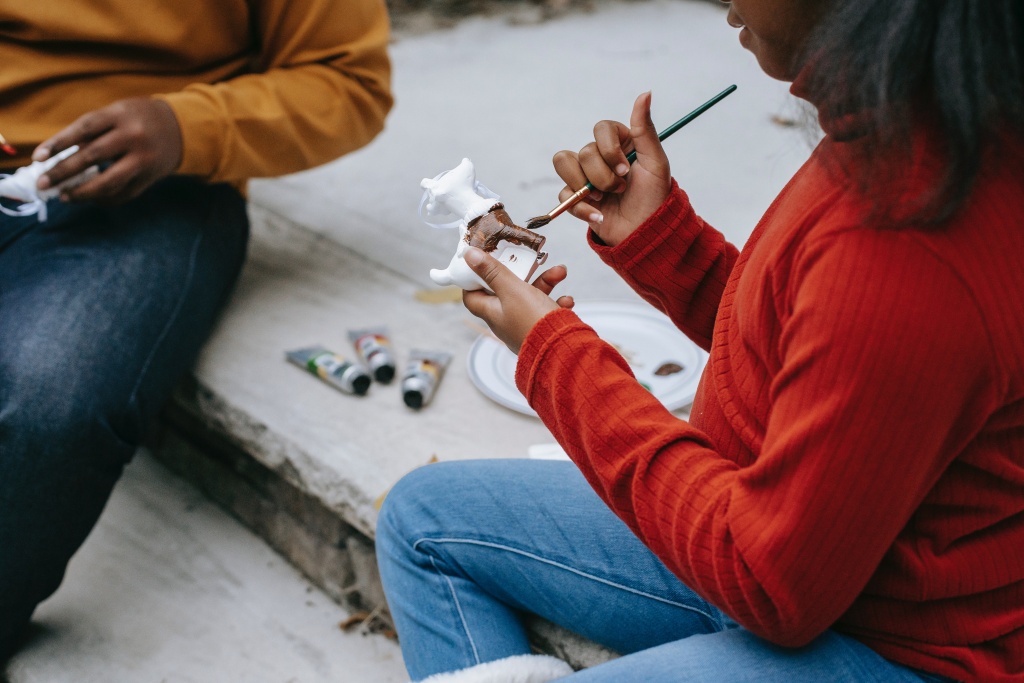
(674, 214)
(203, 130)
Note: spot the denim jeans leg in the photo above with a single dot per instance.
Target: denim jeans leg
(465, 548)
(738, 656)
(102, 309)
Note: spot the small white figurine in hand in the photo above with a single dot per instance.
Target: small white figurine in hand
(483, 223)
(21, 185)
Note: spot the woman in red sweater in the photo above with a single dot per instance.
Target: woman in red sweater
(846, 502)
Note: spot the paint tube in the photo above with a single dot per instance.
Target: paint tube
(374, 350)
(340, 373)
(422, 374)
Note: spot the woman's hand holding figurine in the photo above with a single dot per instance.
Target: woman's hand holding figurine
(516, 306)
(623, 199)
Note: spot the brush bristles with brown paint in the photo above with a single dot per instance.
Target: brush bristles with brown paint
(576, 198)
(580, 194)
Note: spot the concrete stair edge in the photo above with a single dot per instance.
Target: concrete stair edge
(335, 555)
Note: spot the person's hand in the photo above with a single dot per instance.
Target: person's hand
(135, 141)
(516, 306)
(624, 196)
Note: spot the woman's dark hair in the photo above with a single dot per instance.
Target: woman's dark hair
(959, 63)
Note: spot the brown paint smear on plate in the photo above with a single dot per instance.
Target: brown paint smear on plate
(666, 369)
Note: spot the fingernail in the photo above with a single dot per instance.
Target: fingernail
(473, 256)
(40, 154)
(43, 183)
(622, 169)
(596, 218)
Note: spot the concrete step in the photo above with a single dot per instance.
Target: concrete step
(332, 554)
(170, 589)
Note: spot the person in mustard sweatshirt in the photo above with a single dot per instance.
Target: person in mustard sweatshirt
(105, 304)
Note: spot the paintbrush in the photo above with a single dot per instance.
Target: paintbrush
(577, 197)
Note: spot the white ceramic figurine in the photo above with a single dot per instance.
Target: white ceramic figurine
(483, 223)
(21, 185)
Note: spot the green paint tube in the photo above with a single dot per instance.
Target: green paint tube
(339, 372)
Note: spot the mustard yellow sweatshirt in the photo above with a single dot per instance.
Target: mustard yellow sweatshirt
(260, 87)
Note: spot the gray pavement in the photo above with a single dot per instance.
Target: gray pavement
(170, 589)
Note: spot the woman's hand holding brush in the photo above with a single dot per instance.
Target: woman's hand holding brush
(625, 177)
(611, 141)
(625, 195)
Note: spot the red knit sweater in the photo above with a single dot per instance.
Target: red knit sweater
(855, 453)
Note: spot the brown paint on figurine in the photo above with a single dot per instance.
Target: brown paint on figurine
(496, 226)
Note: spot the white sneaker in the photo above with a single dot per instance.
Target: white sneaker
(518, 669)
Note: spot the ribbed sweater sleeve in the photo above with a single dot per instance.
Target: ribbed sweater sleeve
(872, 393)
(697, 255)
(320, 90)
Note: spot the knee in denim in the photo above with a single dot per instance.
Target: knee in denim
(45, 404)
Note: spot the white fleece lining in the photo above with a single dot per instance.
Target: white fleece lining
(517, 669)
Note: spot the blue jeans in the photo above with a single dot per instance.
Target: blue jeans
(465, 548)
(102, 309)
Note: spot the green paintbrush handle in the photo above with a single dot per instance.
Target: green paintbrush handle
(631, 157)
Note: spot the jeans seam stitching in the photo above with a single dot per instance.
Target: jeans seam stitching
(566, 568)
(458, 609)
(171, 319)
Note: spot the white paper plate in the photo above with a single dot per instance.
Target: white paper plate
(645, 337)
